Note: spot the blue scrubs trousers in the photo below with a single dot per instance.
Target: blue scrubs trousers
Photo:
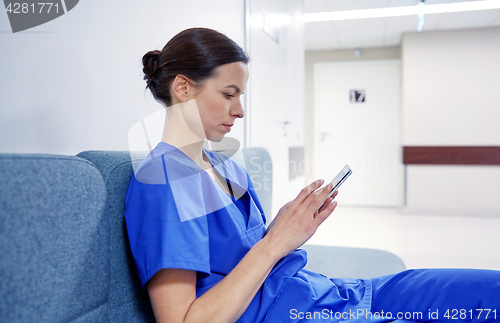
(437, 295)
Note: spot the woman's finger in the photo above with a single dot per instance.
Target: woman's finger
(306, 191)
(325, 205)
(315, 199)
(328, 201)
(323, 215)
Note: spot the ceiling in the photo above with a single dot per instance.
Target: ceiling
(383, 32)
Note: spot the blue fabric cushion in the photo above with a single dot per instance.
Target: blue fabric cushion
(54, 246)
(345, 262)
(128, 300)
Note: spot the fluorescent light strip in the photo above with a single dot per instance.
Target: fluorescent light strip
(400, 11)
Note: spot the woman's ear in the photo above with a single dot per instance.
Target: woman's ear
(181, 88)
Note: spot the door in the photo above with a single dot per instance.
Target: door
(358, 122)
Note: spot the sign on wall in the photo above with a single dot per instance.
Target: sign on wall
(357, 96)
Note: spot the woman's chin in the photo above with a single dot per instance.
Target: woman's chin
(216, 138)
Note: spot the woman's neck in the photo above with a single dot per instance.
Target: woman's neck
(183, 134)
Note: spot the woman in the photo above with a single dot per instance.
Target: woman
(197, 230)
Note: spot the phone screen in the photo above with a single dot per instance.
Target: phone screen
(340, 178)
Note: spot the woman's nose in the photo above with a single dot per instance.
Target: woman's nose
(237, 109)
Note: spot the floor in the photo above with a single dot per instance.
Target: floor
(421, 241)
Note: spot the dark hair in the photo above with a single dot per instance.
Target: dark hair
(195, 53)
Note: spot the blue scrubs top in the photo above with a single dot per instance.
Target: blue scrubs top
(178, 217)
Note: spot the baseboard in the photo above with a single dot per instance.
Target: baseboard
(451, 212)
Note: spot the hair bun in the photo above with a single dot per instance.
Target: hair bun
(150, 63)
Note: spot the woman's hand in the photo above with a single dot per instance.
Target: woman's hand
(297, 220)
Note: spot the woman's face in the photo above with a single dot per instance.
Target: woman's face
(219, 100)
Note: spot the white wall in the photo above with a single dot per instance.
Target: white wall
(295, 74)
(451, 81)
(75, 83)
(450, 98)
(276, 89)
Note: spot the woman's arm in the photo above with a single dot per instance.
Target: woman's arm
(173, 291)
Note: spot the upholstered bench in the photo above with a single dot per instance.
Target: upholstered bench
(64, 254)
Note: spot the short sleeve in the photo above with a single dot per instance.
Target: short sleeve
(157, 235)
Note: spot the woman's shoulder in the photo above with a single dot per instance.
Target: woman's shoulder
(165, 161)
(150, 170)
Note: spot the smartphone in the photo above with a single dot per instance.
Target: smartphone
(339, 179)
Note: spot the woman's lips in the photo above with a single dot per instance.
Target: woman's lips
(228, 127)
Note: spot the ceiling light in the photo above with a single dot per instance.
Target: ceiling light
(400, 11)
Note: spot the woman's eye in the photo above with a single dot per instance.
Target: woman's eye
(228, 96)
